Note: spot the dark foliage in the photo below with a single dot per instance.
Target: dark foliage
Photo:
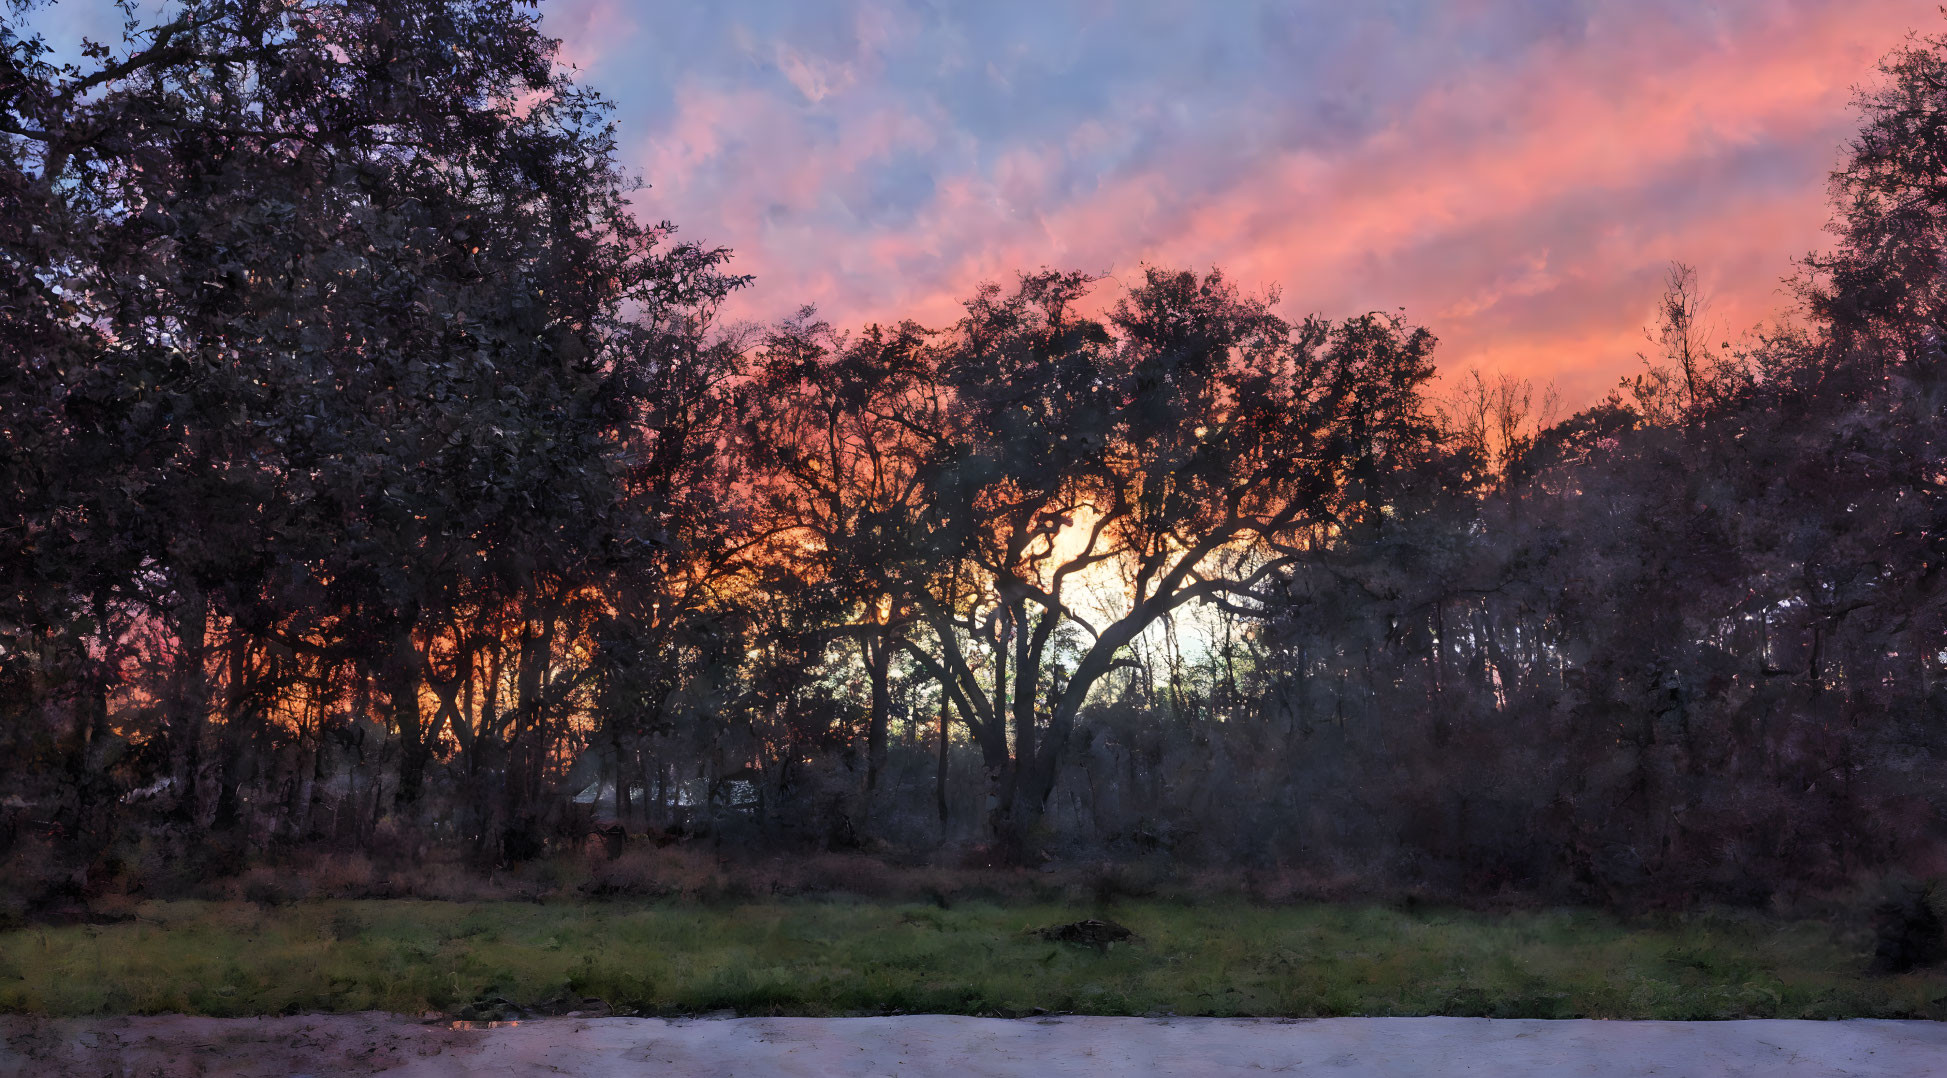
(1907, 931)
(1093, 931)
(370, 478)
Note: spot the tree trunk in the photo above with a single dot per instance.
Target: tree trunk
(623, 775)
(191, 710)
(224, 810)
(402, 688)
(998, 769)
(939, 776)
(878, 657)
(309, 763)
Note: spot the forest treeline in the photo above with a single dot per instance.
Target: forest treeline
(374, 479)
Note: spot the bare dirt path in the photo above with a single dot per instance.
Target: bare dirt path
(924, 1045)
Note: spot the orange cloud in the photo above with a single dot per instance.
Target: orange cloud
(1524, 211)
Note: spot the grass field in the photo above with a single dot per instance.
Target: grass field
(833, 957)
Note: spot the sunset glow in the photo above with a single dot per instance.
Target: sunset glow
(1515, 175)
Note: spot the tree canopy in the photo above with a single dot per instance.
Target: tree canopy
(373, 476)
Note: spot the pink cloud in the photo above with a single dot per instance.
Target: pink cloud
(589, 31)
(1523, 212)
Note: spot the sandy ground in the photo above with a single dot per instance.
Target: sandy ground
(361, 1044)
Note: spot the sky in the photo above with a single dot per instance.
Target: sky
(1516, 175)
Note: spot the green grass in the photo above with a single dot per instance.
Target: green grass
(811, 957)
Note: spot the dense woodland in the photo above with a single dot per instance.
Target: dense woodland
(372, 478)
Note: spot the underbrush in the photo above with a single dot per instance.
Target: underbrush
(641, 869)
(798, 956)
